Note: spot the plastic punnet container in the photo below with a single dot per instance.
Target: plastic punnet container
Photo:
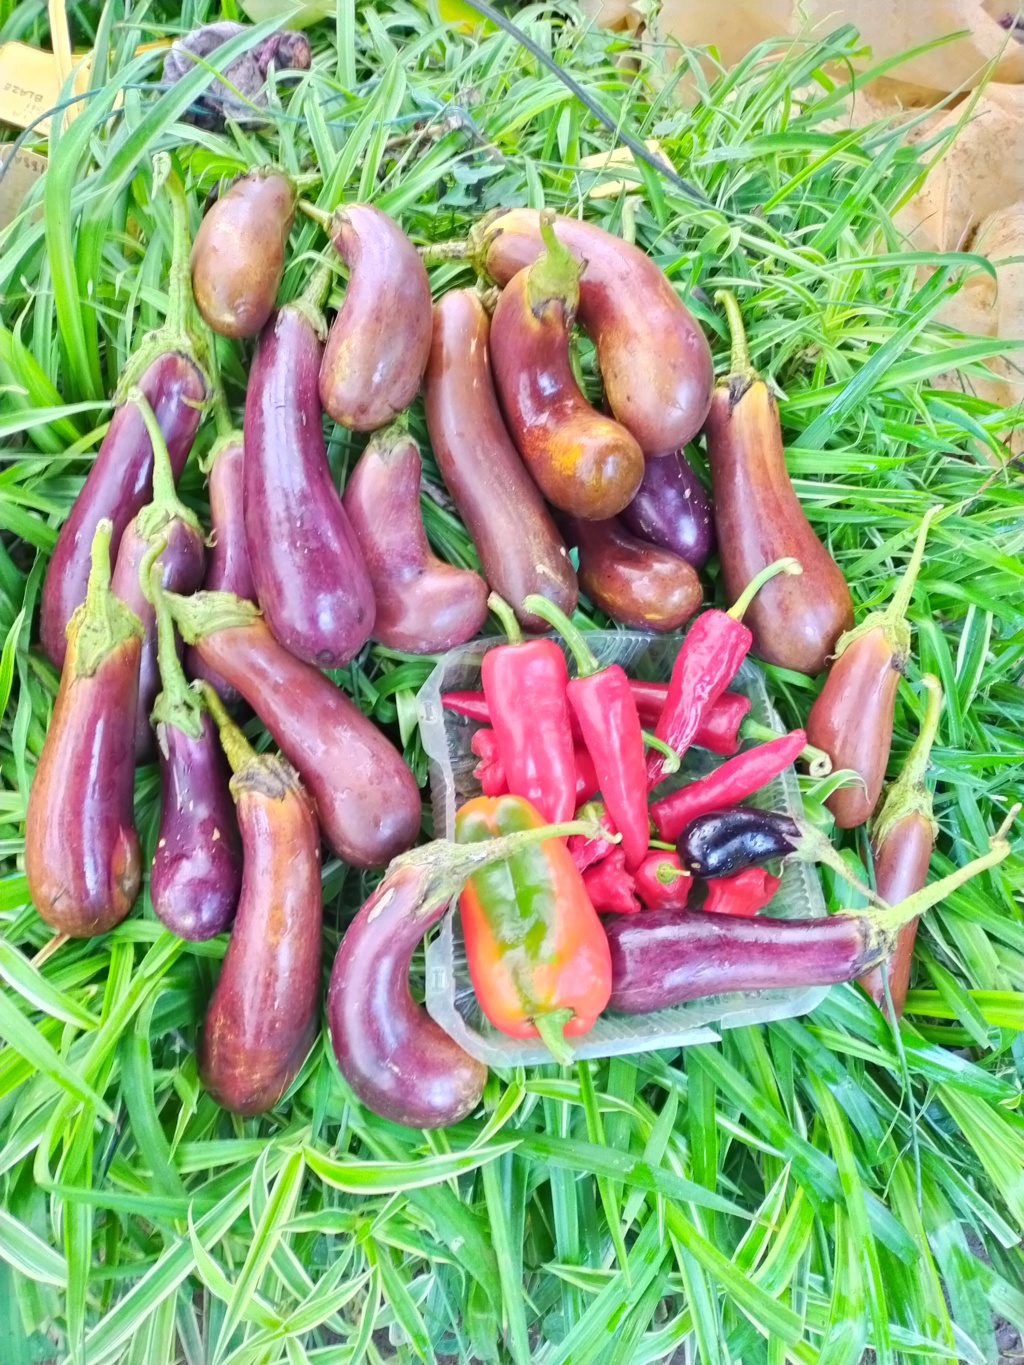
(450, 998)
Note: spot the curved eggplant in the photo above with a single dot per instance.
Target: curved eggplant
(264, 1013)
(238, 253)
(583, 462)
(655, 360)
(504, 512)
(310, 578)
(672, 510)
(366, 797)
(632, 581)
(82, 859)
(722, 842)
(379, 342)
(424, 606)
(227, 564)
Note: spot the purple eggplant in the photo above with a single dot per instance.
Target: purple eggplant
(82, 860)
(171, 378)
(310, 578)
(666, 957)
(672, 510)
(196, 876)
(166, 520)
(227, 564)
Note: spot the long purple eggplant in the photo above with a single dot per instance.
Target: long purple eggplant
(167, 520)
(310, 578)
(666, 957)
(196, 876)
(170, 374)
(227, 563)
(82, 860)
(672, 510)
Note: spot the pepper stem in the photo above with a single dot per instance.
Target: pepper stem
(237, 749)
(671, 764)
(739, 361)
(909, 793)
(204, 613)
(820, 765)
(786, 566)
(551, 1026)
(177, 704)
(507, 617)
(102, 621)
(549, 611)
(556, 274)
(667, 874)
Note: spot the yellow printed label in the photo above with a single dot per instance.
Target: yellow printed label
(30, 85)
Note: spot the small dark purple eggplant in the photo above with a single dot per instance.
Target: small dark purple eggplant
(672, 510)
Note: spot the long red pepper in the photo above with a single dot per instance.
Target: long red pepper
(490, 773)
(604, 706)
(744, 893)
(715, 646)
(611, 887)
(737, 778)
(524, 684)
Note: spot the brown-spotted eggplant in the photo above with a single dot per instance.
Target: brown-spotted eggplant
(655, 360)
(796, 620)
(166, 520)
(665, 957)
(264, 1013)
(632, 581)
(902, 837)
(583, 462)
(515, 537)
(310, 578)
(366, 797)
(424, 606)
(227, 563)
(168, 368)
(82, 859)
(852, 715)
(672, 510)
(238, 253)
(196, 875)
(380, 340)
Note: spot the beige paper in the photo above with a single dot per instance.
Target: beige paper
(16, 179)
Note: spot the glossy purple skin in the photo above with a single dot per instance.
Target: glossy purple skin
(227, 561)
(672, 510)
(663, 957)
(398, 1061)
(308, 570)
(196, 876)
(182, 561)
(119, 485)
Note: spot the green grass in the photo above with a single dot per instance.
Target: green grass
(801, 1191)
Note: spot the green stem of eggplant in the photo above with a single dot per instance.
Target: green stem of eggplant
(555, 275)
(436, 253)
(165, 505)
(739, 361)
(897, 609)
(203, 613)
(176, 704)
(237, 749)
(102, 621)
(909, 792)
(788, 565)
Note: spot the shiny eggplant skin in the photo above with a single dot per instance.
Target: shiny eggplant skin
(513, 532)
(583, 462)
(238, 253)
(795, 619)
(264, 1014)
(655, 360)
(664, 957)
(635, 583)
(726, 841)
(901, 868)
(227, 562)
(82, 859)
(397, 1060)
(672, 510)
(380, 340)
(852, 718)
(183, 561)
(310, 578)
(196, 875)
(119, 484)
(366, 797)
(424, 606)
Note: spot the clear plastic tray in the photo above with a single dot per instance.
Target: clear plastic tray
(449, 995)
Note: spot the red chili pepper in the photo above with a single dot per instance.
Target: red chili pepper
(611, 888)
(662, 883)
(726, 786)
(489, 772)
(742, 894)
(585, 851)
(524, 684)
(606, 711)
(715, 646)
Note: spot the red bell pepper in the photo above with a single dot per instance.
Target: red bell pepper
(744, 893)
(610, 885)
(662, 883)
